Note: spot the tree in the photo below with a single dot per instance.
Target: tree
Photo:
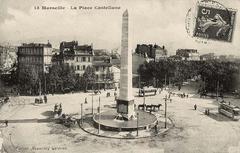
(28, 79)
(61, 78)
(89, 76)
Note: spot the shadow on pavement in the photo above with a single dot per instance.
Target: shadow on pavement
(48, 113)
(219, 117)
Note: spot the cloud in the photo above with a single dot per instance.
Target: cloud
(151, 21)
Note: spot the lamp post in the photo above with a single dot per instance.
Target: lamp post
(144, 99)
(45, 84)
(165, 80)
(40, 90)
(99, 117)
(217, 89)
(92, 100)
(137, 122)
(81, 113)
(165, 114)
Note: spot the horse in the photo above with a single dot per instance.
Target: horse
(141, 106)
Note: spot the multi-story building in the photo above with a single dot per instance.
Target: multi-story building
(151, 51)
(160, 52)
(104, 75)
(188, 54)
(72, 54)
(36, 56)
(209, 56)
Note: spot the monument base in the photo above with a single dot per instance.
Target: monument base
(125, 110)
(108, 121)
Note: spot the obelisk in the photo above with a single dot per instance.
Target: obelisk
(125, 101)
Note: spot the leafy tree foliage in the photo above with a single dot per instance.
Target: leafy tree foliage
(215, 73)
(28, 80)
(89, 76)
(61, 78)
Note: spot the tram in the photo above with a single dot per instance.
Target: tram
(229, 110)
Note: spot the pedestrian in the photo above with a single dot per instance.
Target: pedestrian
(195, 106)
(60, 105)
(86, 100)
(6, 123)
(55, 108)
(45, 99)
(59, 111)
(156, 129)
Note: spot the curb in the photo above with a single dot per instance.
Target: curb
(130, 138)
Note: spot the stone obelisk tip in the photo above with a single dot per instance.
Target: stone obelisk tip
(125, 13)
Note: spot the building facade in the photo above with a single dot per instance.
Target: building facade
(104, 75)
(151, 51)
(77, 56)
(209, 56)
(188, 54)
(35, 56)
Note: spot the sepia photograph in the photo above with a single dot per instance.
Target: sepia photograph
(119, 76)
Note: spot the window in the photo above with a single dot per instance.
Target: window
(97, 68)
(84, 67)
(84, 59)
(78, 67)
(89, 59)
(102, 76)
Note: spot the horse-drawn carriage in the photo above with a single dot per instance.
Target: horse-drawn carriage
(67, 120)
(38, 100)
(149, 107)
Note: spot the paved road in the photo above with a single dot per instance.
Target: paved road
(193, 132)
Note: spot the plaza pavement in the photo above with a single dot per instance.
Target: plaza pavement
(193, 131)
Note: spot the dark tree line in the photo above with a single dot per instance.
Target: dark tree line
(215, 73)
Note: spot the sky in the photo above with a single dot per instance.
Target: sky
(151, 21)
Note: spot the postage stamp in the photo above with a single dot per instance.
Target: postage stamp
(214, 23)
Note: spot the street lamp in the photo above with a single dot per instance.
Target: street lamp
(137, 122)
(92, 100)
(165, 114)
(81, 113)
(99, 117)
(144, 99)
(217, 88)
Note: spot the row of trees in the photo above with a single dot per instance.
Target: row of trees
(59, 79)
(215, 73)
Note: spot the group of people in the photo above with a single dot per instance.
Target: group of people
(58, 109)
(183, 95)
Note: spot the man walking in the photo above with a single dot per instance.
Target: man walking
(195, 107)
